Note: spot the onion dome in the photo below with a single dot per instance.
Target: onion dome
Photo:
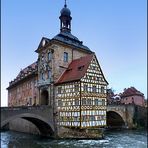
(65, 11)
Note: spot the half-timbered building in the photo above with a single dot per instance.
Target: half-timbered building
(81, 94)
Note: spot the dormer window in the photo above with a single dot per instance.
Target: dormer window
(65, 57)
(81, 67)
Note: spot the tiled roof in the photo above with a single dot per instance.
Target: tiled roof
(70, 39)
(131, 91)
(29, 70)
(76, 69)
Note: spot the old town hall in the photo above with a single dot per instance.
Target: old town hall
(66, 76)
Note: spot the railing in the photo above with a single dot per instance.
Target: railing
(41, 82)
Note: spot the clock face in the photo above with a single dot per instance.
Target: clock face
(43, 43)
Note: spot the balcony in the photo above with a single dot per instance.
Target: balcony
(44, 82)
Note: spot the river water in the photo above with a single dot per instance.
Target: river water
(113, 139)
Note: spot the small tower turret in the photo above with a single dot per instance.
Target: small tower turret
(65, 19)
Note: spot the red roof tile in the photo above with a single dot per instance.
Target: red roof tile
(131, 91)
(76, 69)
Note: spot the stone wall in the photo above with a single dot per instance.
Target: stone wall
(24, 93)
(140, 117)
(75, 133)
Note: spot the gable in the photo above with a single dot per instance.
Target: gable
(94, 72)
(44, 41)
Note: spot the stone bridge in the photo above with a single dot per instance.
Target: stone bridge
(120, 115)
(41, 116)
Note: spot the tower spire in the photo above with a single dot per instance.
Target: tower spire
(65, 19)
(65, 4)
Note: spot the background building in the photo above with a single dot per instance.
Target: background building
(128, 96)
(132, 96)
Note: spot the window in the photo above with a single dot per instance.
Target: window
(84, 118)
(92, 118)
(65, 57)
(96, 101)
(59, 90)
(99, 102)
(102, 89)
(30, 101)
(49, 56)
(49, 74)
(60, 103)
(76, 101)
(89, 102)
(94, 89)
(76, 118)
(76, 88)
(85, 88)
(42, 76)
(103, 102)
(83, 101)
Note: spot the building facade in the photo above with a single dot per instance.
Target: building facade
(23, 89)
(132, 96)
(67, 76)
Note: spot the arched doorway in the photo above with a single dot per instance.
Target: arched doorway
(114, 120)
(44, 97)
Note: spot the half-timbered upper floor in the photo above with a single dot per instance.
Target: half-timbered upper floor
(81, 94)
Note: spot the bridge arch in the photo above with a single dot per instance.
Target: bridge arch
(45, 128)
(115, 119)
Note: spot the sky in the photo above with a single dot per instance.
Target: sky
(116, 30)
